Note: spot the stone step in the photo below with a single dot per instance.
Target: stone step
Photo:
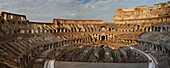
(15, 47)
(21, 42)
(10, 49)
(8, 54)
(27, 43)
(19, 45)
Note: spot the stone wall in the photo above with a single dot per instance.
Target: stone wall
(157, 13)
(22, 41)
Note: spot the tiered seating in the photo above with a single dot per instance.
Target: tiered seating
(4, 65)
(10, 51)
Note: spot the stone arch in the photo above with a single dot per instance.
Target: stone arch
(152, 28)
(156, 29)
(72, 29)
(137, 28)
(75, 29)
(79, 29)
(103, 28)
(51, 31)
(58, 29)
(90, 38)
(65, 30)
(145, 29)
(154, 47)
(148, 29)
(109, 29)
(159, 29)
(106, 37)
(167, 28)
(55, 31)
(103, 38)
(77, 40)
(62, 30)
(163, 28)
(91, 28)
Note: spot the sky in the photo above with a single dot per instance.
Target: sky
(47, 10)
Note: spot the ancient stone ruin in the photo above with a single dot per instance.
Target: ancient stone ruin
(135, 32)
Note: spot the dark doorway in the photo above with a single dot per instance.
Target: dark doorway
(103, 38)
(99, 37)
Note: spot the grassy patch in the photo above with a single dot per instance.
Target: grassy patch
(62, 53)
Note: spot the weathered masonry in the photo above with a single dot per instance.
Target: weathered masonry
(142, 14)
(26, 44)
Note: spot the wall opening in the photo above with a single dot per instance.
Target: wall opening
(102, 38)
(99, 37)
(109, 29)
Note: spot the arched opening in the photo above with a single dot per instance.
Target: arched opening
(80, 40)
(103, 28)
(95, 40)
(159, 29)
(99, 37)
(102, 38)
(152, 28)
(51, 31)
(58, 29)
(156, 28)
(79, 29)
(101, 46)
(58, 22)
(71, 29)
(91, 29)
(75, 29)
(29, 31)
(106, 37)
(77, 40)
(163, 28)
(145, 29)
(54, 31)
(62, 30)
(109, 29)
(91, 38)
(85, 29)
(149, 29)
(137, 27)
(167, 28)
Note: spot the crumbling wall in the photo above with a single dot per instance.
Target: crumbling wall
(157, 13)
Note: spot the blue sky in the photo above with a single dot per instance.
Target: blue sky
(46, 10)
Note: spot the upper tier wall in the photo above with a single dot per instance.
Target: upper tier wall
(11, 16)
(157, 13)
(70, 21)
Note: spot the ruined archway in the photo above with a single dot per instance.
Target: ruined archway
(102, 38)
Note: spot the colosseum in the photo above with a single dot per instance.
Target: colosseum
(138, 37)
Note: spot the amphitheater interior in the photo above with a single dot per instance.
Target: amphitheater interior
(27, 44)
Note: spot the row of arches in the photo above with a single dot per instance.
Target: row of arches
(33, 52)
(90, 38)
(136, 28)
(143, 20)
(152, 46)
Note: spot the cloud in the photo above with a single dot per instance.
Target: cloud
(46, 10)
